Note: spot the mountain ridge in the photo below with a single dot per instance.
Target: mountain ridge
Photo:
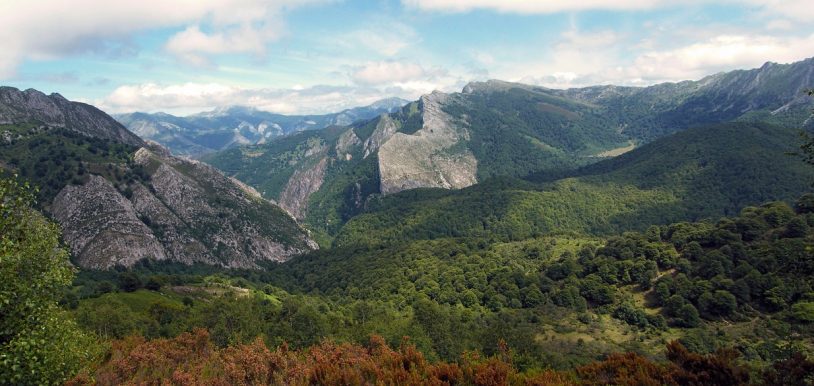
(503, 129)
(229, 126)
(54, 110)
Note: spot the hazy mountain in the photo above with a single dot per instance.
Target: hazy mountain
(237, 125)
(120, 200)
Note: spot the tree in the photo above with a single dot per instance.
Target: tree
(796, 370)
(804, 204)
(129, 281)
(796, 227)
(687, 316)
(38, 343)
(719, 303)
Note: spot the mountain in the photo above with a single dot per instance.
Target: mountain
(237, 125)
(699, 173)
(120, 200)
(774, 92)
(32, 106)
(495, 128)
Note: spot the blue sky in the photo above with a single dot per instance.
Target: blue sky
(315, 56)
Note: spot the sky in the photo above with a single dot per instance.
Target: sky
(320, 56)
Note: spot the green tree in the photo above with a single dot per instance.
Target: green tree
(129, 281)
(718, 303)
(687, 316)
(38, 343)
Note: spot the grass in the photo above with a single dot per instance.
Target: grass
(140, 300)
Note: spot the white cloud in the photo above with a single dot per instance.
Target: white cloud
(376, 80)
(387, 38)
(720, 53)
(582, 59)
(799, 10)
(374, 73)
(533, 6)
(574, 59)
(193, 46)
(49, 29)
(194, 97)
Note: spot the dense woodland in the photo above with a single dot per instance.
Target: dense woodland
(474, 308)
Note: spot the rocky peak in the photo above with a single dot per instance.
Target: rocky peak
(34, 106)
(430, 157)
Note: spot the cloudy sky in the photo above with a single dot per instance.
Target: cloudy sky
(314, 56)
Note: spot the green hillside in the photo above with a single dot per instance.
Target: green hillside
(557, 301)
(704, 172)
(516, 130)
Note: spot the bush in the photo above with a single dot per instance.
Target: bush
(803, 312)
(129, 281)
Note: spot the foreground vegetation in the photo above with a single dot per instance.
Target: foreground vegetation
(191, 358)
(558, 302)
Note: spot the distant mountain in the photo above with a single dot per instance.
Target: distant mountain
(237, 125)
(120, 200)
(495, 128)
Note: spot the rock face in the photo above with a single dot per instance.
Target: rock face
(120, 200)
(188, 212)
(385, 129)
(32, 106)
(345, 144)
(429, 158)
(102, 227)
(301, 185)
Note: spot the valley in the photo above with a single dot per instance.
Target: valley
(508, 231)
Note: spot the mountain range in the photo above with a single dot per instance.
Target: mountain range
(500, 129)
(498, 158)
(231, 126)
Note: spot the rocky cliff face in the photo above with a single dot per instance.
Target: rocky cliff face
(385, 129)
(430, 158)
(119, 199)
(102, 227)
(32, 106)
(187, 212)
(300, 186)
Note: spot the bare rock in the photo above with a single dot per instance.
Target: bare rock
(300, 186)
(383, 132)
(55, 111)
(102, 227)
(345, 144)
(430, 157)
